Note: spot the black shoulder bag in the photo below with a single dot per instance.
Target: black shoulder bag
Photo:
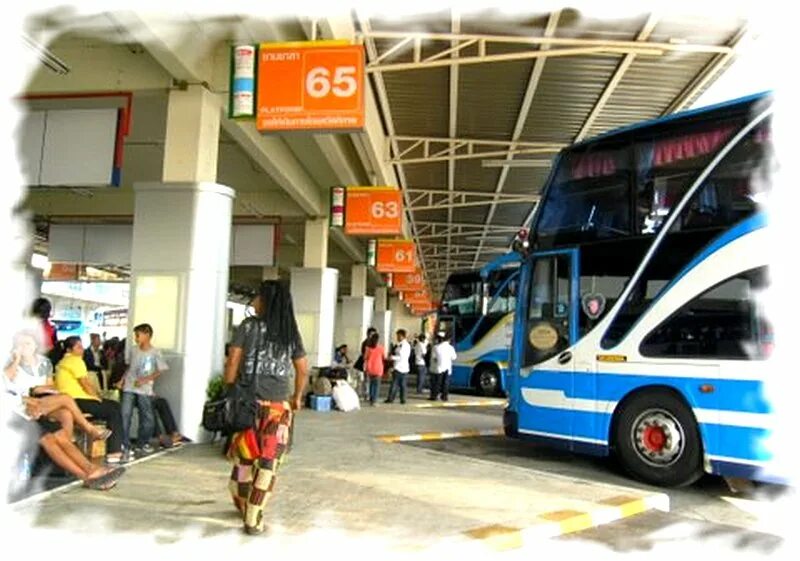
(238, 409)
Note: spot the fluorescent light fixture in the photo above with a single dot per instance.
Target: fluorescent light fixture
(51, 61)
(516, 163)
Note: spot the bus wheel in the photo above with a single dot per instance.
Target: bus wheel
(657, 440)
(487, 380)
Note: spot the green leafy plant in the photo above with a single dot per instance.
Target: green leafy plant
(215, 389)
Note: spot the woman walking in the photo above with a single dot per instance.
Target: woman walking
(261, 356)
(374, 365)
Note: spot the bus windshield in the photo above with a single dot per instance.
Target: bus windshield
(462, 294)
(590, 193)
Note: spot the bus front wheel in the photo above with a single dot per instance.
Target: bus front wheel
(487, 380)
(657, 440)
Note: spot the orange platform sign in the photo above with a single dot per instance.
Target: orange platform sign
(418, 299)
(373, 211)
(409, 282)
(310, 86)
(396, 256)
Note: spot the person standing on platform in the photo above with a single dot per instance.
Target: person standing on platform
(420, 351)
(400, 359)
(442, 359)
(146, 365)
(262, 354)
(374, 365)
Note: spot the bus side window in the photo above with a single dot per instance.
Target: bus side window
(721, 323)
(718, 204)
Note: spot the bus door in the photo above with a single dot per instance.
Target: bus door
(550, 328)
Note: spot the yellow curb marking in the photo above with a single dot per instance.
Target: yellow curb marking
(460, 404)
(429, 436)
(499, 538)
(628, 505)
(569, 520)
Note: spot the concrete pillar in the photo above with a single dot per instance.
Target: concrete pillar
(315, 255)
(270, 273)
(181, 255)
(382, 321)
(381, 297)
(356, 316)
(192, 139)
(358, 282)
(314, 298)
(179, 285)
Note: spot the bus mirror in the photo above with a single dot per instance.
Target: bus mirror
(521, 243)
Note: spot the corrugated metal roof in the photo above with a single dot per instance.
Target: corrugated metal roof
(490, 96)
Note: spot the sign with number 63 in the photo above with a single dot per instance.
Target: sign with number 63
(316, 85)
(373, 211)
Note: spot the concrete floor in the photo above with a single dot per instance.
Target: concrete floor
(343, 485)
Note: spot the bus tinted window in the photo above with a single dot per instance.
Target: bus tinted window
(666, 165)
(736, 187)
(590, 194)
(729, 195)
(462, 295)
(502, 301)
(724, 322)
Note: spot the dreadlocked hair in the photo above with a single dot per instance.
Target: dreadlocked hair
(278, 314)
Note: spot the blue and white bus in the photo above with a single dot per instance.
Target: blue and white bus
(638, 328)
(477, 312)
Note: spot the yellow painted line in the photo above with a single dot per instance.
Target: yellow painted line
(497, 537)
(437, 404)
(428, 436)
(560, 522)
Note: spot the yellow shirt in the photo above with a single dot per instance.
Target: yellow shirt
(68, 372)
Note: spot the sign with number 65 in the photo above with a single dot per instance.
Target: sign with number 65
(316, 85)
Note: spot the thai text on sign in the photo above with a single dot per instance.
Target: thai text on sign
(396, 256)
(373, 210)
(310, 86)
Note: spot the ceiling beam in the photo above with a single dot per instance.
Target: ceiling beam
(612, 84)
(549, 40)
(707, 74)
(455, 27)
(564, 52)
(383, 104)
(522, 117)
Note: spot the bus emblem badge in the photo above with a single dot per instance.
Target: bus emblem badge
(593, 305)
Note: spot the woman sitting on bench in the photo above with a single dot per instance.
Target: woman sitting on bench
(29, 379)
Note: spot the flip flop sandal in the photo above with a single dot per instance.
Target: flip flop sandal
(106, 481)
(100, 483)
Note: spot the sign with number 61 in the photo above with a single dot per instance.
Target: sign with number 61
(396, 256)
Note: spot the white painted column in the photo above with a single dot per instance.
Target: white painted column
(314, 298)
(381, 297)
(179, 285)
(358, 283)
(383, 317)
(181, 254)
(192, 141)
(315, 255)
(314, 289)
(356, 317)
